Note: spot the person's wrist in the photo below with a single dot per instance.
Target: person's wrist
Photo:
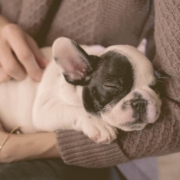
(29, 146)
(8, 149)
(16, 148)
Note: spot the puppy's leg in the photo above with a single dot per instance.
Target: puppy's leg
(57, 115)
(95, 128)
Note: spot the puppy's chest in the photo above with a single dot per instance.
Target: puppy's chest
(54, 85)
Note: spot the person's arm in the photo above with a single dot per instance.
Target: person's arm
(28, 146)
(157, 139)
(160, 138)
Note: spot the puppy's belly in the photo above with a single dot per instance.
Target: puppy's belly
(16, 101)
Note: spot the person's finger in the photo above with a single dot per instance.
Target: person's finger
(41, 60)
(10, 66)
(3, 76)
(24, 54)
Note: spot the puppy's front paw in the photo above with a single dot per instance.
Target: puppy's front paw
(99, 131)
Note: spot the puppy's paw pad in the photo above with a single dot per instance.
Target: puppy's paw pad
(92, 132)
(100, 132)
(95, 137)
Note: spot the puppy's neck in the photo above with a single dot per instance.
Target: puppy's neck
(71, 94)
(79, 90)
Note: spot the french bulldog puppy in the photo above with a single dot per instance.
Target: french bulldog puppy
(95, 94)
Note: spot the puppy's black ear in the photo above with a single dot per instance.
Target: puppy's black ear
(77, 65)
(159, 74)
(161, 79)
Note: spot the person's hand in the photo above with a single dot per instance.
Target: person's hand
(19, 54)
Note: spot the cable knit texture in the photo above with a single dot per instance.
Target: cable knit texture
(105, 22)
(31, 21)
(110, 22)
(99, 21)
(91, 154)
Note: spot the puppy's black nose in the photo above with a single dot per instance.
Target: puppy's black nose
(139, 105)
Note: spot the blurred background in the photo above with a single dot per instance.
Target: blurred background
(169, 167)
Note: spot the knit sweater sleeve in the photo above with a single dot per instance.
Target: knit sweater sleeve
(157, 139)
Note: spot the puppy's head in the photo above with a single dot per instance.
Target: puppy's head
(118, 84)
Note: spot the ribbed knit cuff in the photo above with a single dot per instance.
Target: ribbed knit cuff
(77, 149)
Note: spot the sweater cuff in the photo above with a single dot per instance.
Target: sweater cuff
(77, 149)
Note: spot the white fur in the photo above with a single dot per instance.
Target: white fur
(55, 104)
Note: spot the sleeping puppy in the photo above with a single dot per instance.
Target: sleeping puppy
(95, 94)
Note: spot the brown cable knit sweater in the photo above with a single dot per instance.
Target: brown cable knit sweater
(110, 22)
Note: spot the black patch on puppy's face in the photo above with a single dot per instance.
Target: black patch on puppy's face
(158, 85)
(111, 80)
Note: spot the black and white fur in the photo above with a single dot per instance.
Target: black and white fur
(91, 93)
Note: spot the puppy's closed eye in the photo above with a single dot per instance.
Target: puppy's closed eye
(112, 87)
